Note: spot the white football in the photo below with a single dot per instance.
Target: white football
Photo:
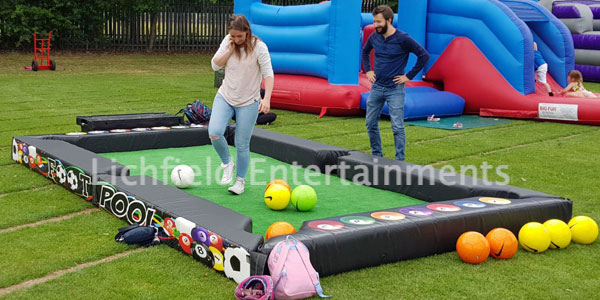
(182, 176)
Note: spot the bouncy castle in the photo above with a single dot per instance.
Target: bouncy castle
(481, 58)
(582, 17)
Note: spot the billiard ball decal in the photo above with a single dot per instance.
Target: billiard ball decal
(202, 253)
(325, 225)
(218, 259)
(443, 207)
(388, 216)
(185, 241)
(201, 235)
(470, 204)
(497, 201)
(416, 211)
(357, 220)
(216, 241)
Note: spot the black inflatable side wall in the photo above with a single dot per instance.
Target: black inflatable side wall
(425, 182)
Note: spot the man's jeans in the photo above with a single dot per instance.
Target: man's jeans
(394, 96)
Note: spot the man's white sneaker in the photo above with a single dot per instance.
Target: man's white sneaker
(227, 173)
(238, 187)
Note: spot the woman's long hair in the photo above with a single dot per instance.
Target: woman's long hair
(240, 23)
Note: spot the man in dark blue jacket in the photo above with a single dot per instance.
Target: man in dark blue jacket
(392, 48)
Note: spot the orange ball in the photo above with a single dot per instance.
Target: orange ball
(473, 247)
(279, 181)
(279, 228)
(503, 243)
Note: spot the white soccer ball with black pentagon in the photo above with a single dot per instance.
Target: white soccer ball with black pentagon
(72, 180)
(61, 174)
(182, 176)
(15, 151)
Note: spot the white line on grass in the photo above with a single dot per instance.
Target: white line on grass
(29, 283)
(51, 220)
(29, 190)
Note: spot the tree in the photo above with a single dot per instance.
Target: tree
(153, 7)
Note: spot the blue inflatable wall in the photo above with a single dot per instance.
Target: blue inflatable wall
(412, 19)
(500, 35)
(319, 40)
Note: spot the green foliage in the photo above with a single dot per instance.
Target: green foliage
(74, 24)
(71, 22)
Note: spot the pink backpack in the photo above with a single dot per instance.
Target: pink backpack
(292, 272)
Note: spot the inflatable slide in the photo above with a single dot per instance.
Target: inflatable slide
(484, 53)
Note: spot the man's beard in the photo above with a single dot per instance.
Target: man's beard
(383, 29)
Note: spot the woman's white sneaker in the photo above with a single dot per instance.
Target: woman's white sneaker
(238, 187)
(227, 173)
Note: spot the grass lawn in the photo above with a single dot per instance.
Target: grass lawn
(559, 159)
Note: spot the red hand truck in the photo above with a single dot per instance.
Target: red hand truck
(41, 60)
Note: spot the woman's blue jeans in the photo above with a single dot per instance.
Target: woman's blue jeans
(245, 118)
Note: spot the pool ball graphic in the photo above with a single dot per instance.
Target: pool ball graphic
(416, 211)
(201, 235)
(443, 207)
(325, 225)
(185, 241)
(470, 204)
(217, 258)
(203, 254)
(492, 200)
(388, 216)
(357, 220)
(216, 241)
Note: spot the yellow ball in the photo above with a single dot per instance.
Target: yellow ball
(534, 237)
(560, 234)
(277, 197)
(584, 230)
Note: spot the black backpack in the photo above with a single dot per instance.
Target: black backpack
(137, 235)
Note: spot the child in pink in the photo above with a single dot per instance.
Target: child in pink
(575, 87)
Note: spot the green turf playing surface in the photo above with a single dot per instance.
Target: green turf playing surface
(335, 196)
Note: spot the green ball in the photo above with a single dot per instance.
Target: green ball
(304, 198)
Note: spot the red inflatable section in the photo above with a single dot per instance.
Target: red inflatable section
(367, 31)
(465, 71)
(316, 95)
